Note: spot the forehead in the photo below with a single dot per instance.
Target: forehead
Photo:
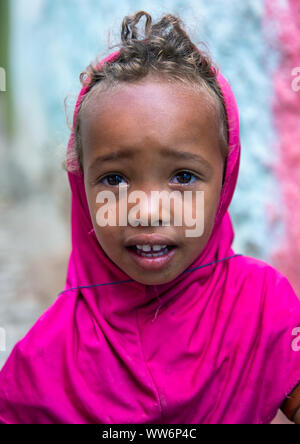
(159, 111)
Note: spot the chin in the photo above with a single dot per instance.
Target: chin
(154, 279)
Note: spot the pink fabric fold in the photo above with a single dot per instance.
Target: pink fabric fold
(213, 346)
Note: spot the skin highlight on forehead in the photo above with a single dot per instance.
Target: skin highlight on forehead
(194, 108)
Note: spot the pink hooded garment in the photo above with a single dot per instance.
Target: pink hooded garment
(213, 346)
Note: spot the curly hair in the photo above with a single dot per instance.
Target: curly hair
(165, 51)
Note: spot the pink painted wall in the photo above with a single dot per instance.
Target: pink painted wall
(286, 115)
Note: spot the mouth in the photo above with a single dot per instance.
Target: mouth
(152, 257)
(151, 252)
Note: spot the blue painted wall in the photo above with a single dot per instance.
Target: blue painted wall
(54, 41)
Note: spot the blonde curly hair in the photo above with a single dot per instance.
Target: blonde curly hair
(165, 51)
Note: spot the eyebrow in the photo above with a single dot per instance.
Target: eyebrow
(185, 155)
(166, 152)
(116, 155)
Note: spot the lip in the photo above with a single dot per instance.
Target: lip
(149, 239)
(152, 263)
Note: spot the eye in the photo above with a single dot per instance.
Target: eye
(112, 180)
(186, 177)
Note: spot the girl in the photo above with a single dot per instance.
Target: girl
(154, 326)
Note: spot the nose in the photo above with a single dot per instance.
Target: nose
(151, 210)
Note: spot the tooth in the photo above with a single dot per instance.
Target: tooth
(158, 247)
(140, 247)
(146, 248)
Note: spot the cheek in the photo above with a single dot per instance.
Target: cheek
(107, 238)
(106, 235)
(211, 203)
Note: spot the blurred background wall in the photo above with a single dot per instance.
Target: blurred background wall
(45, 44)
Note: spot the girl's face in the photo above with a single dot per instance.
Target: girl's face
(151, 136)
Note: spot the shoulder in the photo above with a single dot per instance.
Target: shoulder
(48, 331)
(252, 265)
(258, 285)
(258, 272)
(270, 309)
(267, 296)
(31, 376)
